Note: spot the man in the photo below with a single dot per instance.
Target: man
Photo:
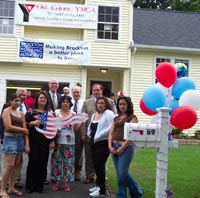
(77, 107)
(89, 108)
(65, 91)
(29, 99)
(54, 97)
(54, 100)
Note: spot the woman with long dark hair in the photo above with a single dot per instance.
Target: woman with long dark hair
(122, 150)
(39, 145)
(14, 144)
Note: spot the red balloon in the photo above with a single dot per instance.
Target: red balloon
(183, 117)
(145, 109)
(166, 74)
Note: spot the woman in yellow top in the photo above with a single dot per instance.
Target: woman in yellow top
(14, 144)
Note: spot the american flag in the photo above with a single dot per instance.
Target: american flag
(51, 123)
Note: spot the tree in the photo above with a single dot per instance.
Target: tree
(179, 5)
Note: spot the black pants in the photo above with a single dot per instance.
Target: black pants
(100, 153)
(37, 166)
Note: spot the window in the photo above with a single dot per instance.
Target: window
(7, 8)
(108, 23)
(173, 61)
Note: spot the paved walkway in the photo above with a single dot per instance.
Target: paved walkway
(78, 188)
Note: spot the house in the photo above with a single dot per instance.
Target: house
(159, 36)
(67, 40)
(73, 41)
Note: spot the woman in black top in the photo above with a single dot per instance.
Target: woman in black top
(39, 146)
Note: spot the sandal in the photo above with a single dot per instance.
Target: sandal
(56, 187)
(4, 196)
(67, 188)
(15, 192)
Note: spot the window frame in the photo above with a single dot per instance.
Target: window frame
(9, 18)
(109, 23)
(173, 60)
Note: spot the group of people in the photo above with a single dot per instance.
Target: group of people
(100, 136)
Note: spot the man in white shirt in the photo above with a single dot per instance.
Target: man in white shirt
(22, 92)
(77, 107)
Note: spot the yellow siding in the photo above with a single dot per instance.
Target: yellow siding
(41, 72)
(112, 54)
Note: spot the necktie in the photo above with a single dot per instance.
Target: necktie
(54, 101)
(75, 107)
(21, 108)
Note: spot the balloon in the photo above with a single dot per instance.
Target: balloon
(120, 93)
(173, 104)
(183, 117)
(166, 91)
(181, 69)
(166, 74)
(181, 85)
(190, 98)
(153, 98)
(145, 109)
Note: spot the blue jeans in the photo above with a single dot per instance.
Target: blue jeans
(124, 179)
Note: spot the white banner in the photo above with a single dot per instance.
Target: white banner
(56, 15)
(54, 51)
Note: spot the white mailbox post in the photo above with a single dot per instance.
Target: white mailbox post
(154, 136)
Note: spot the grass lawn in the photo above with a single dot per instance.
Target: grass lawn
(183, 171)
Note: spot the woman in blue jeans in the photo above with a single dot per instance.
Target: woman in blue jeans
(122, 150)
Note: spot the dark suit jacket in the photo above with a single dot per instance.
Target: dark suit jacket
(51, 102)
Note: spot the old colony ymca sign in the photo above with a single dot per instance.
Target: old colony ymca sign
(56, 15)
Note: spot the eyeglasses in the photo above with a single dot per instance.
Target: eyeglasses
(22, 94)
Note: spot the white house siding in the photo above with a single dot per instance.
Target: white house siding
(143, 76)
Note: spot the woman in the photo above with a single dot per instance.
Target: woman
(63, 157)
(14, 144)
(122, 150)
(98, 131)
(39, 146)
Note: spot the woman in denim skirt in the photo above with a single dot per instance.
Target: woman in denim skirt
(122, 150)
(14, 144)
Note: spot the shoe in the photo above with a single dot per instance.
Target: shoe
(97, 193)
(94, 189)
(4, 196)
(67, 188)
(15, 192)
(88, 180)
(19, 184)
(56, 187)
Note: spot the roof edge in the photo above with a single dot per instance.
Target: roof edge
(164, 48)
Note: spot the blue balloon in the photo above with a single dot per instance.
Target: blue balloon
(154, 98)
(173, 104)
(181, 85)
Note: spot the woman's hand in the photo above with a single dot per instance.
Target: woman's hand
(112, 150)
(25, 131)
(52, 145)
(27, 148)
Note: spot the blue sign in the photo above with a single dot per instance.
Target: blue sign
(31, 49)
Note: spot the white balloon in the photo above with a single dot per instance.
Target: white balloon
(167, 91)
(190, 98)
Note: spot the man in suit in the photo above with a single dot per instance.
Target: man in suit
(76, 92)
(54, 97)
(54, 100)
(89, 108)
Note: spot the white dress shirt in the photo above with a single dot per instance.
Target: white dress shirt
(79, 105)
